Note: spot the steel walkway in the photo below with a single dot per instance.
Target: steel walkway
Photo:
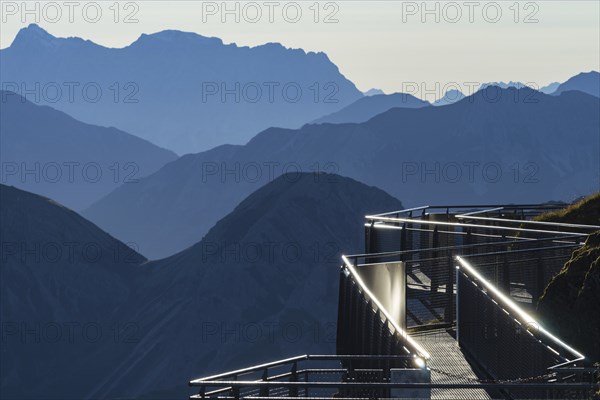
(427, 273)
(448, 365)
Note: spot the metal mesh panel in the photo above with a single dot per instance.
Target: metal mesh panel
(430, 292)
(501, 257)
(384, 239)
(502, 346)
(524, 272)
(361, 329)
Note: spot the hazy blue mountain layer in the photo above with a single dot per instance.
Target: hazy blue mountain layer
(262, 284)
(179, 90)
(45, 151)
(496, 146)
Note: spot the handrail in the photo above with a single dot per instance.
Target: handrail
(465, 246)
(214, 380)
(460, 224)
(416, 347)
(394, 385)
(404, 211)
(303, 357)
(485, 211)
(243, 371)
(518, 221)
(484, 207)
(405, 385)
(509, 304)
(496, 253)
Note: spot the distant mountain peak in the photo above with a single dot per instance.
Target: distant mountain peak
(368, 107)
(171, 35)
(450, 97)
(590, 73)
(504, 85)
(173, 66)
(35, 29)
(496, 93)
(33, 33)
(373, 92)
(550, 88)
(37, 37)
(587, 82)
(177, 37)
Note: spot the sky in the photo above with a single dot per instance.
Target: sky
(418, 47)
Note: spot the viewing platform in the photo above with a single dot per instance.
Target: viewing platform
(438, 307)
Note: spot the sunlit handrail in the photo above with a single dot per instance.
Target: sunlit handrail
(517, 311)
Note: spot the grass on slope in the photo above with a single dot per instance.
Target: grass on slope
(570, 304)
(585, 211)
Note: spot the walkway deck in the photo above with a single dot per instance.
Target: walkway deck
(447, 357)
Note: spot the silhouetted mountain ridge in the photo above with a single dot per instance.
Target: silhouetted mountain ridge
(45, 151)
(367, 107)
(180, 90)
(276, 256)
(63, 284)
(586, 82)
(269, 269)
(540, 146)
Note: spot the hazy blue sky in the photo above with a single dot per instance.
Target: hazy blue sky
(383, 44)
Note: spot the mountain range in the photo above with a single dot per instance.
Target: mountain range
(367, 107)
(276, 256)
(181, 91)
(45, 151)
(586, 82)
(496, 146)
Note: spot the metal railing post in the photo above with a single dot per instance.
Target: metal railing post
(306, 387)
(505, 284)
(403, 241)
(293, 390)
(457, 303)
(449, 317)
(539, 281)
(435, 242)
(264, 390)
(236, 393)
(369, 239)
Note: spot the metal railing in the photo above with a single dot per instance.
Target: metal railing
(523, 210)
(512, 253)
(306, 376)
(428, 238)
(509, 344)
(510, 264)
(326, 377)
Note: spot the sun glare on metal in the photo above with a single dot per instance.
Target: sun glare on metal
(419, 362)
(528, 319)
(422, 352)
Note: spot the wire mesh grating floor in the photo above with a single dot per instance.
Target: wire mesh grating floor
(448, 365)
